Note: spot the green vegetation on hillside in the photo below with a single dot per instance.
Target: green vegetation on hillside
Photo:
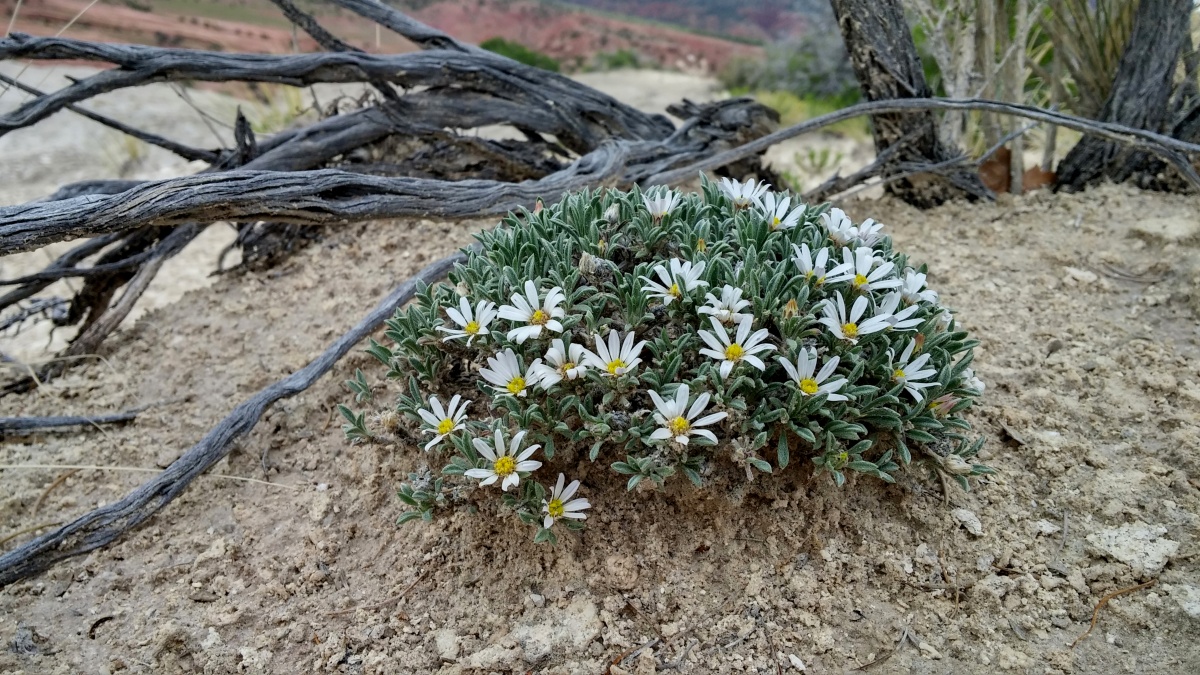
(519, 52)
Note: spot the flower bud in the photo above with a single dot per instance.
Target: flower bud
(612, 214)
(791, 309)
(956, 465)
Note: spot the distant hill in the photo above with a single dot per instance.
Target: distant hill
(759, 20)
(577, 37)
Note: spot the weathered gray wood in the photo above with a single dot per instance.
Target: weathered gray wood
(308, 197)
(104, 525)
(1139, 96)
(189, 153)
(1173, 150)
(888, 67)
(585, 117)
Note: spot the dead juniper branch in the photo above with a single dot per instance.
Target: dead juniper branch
(1172, 150)
(104, 525)
(184, 151)
(10, 425)
(305, 197)
(584, 116)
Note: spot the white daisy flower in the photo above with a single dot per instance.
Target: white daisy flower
(563, 361)
(908, 371)
(504, 373)
(682, 278)
(866, 279)
(869, 232)
(811, 385)
(659, 202)
(443, 421)
(813, 267)
(676, 425)
(911, 288)
(898, 320)
(507, 465)
(838, 226)
(615, 358)
(972, 383)
(728, 307)
(743, 348)
(847, 327)
(742, 194)
(560, 505)
(943, 319)
(471, 324)
(531, 310)
(775, 211)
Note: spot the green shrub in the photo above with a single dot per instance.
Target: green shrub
(519, 52)
(622, 58)
(733, 330)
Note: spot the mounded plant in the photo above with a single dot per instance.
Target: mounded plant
(662, 334)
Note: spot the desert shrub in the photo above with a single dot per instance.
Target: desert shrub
(519, 52)
(622, 58)
(812, 67)
(664, 334)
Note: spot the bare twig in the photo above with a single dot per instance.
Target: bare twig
(11, 424)
(186, 152)
(62, 478)
(1104, 601)
(108, 523)
(1171, 149)
(380, 605)
(9, 537)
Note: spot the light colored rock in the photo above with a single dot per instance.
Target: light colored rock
(1188, 598)
(1081, 276)
(1046, 528)
(968, 520)
(447, 643)
(928, 650)
(797, 663)
(549, 632)
(495, 657)
(321, 503)
(212, 639)
(1138, 545)
(1170, 229)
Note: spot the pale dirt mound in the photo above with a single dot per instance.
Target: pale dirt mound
(1097, 375)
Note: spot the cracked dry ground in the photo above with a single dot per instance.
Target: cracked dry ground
(1087, 310)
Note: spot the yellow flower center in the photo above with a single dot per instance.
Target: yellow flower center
(860, 280)
(850, 330)
(808, 386)
(445, 427)
(472, 328)
(734, 352)
(614, 366)
(674, 290)
(566, 367)
(820, 279)
(555, 508)
(679, 426)
(539, 318)
(775, 223)
(898, 375)
(504, 466)
(516, 385)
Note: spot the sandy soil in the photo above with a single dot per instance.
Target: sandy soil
(1087, 308)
